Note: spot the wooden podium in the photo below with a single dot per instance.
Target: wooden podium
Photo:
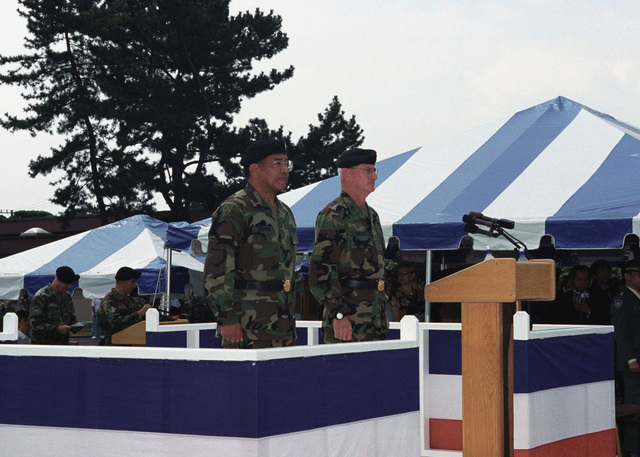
(487, 293)
(136, 335)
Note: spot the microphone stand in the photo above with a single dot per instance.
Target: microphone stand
(495, 231)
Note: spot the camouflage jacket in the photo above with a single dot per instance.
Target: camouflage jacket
(117, 312)
(349, 245)
(47, 311)
(246, 242)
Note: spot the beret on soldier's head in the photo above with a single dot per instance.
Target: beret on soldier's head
(262, 149)
(356, 156)
(631, 265)
(66, 275)
(126, 273)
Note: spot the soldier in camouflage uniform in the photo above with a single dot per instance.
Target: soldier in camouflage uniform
(51, 312)
(118, 310)
(251, 256)
(346, 269)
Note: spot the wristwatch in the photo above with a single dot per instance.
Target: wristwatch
(339, 316)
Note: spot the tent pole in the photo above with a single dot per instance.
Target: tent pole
(427, 281)
(166, 299)
(169, 259)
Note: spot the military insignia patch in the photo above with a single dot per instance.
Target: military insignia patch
(617, 303)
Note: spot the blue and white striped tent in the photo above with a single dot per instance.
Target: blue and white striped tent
(96, 255)
(559, 169)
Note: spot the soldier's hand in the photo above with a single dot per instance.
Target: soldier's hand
(634, 367)
(142, 311)
(64, 329)
(232, 333)
(342, 329)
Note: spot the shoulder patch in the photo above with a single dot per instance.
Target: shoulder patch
(617, 303)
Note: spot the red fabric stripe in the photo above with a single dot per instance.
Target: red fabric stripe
(599, 444)
(447, 434)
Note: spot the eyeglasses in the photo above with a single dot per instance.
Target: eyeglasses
(279, 163)
(403, 273)
(369, 171)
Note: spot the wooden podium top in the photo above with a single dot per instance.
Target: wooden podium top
(136, 335)
(496, 281)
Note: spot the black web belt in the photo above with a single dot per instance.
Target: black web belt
(273, 286)
(363, 284)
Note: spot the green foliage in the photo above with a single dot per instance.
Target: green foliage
(62, 87)
(143, 93)
(314, 156)
(26, 214)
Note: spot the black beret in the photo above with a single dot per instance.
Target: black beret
(631, 265)
(356, 156)
(126, 273)
(262, 149)
(66, 275)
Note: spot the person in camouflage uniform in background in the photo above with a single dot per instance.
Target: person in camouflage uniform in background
(51, 312)
(251, 255)
(118, 310)
(346, 268)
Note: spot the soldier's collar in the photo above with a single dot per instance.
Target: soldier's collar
(257, 198)
(118, 294)
(353, 203)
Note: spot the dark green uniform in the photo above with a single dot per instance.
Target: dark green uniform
(625, 317)
(47, 311)
(249, 248)
(117, 312)
(349, 246)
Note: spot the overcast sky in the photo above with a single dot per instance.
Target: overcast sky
(411, 71)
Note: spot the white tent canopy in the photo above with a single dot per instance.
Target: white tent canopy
(96, 255)
(559, 169)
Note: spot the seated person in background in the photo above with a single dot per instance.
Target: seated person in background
(23, 326)
(177, 310)
(574, 306)
(601, 292)
(118, 310)
(407, 297)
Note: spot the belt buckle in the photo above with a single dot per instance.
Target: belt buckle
(286, 285)
(381, 285)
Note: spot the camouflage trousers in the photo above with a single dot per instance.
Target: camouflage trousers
(258, 344)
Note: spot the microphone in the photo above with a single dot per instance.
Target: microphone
(470, 228)
(479, 218)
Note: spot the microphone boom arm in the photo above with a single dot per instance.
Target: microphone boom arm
(495, 230)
